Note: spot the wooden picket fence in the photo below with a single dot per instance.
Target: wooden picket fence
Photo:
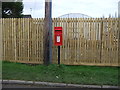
(90, 41)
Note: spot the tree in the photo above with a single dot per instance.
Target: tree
(12, 9)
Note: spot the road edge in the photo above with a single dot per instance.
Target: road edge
(56, 84)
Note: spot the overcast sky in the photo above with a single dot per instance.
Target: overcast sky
(93, 8)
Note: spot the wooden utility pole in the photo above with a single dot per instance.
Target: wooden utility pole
(119, 9)
(0, 9)
(47, 42)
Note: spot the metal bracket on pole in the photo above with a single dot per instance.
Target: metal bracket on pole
(48, 0)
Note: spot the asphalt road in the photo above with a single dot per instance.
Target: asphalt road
(14, 86)
(34, 87)
(23, 86)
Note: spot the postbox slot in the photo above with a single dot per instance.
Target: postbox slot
(56, 32)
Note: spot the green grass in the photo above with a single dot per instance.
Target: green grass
(63, 74)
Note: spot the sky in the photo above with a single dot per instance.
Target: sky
(93, 8)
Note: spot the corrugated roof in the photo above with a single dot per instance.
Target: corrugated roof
(75, 15)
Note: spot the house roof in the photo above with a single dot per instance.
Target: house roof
(27, 16)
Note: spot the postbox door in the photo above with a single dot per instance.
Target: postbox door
(58, 39)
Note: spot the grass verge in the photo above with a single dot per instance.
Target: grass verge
(92, 75)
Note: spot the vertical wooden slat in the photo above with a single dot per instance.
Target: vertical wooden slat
(36, 25)
(62, 48)
(42, 30)
(28, 51)
(10, 40)
(38, 39)
(72, 43)
(75, 36)
(68, 42)
(86, 52)
(33, 42)
(1, 41)
(3, 38)
(23, 39)
(19, 41)
(81, 40)
(15, 37)
(30, 43)
(5, 32)
(22, 35)
(118, 42)
(8, 44)
(77, 43)
(12, 43)
(16, 46)
(101, 39)
(66, 39)
(7, 37)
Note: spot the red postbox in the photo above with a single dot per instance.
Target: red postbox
(58, 36)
